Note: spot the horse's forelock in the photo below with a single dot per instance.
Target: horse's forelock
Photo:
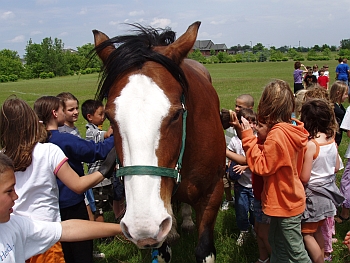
(132, 51)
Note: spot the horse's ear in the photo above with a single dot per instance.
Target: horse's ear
(102, 51)
(178, 50)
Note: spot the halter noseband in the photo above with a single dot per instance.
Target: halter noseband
(157, 170)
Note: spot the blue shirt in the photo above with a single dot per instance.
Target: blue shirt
(342, 70)
(77, 151)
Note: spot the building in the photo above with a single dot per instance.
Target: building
(205, 46)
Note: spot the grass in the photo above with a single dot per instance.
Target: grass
(230, 80)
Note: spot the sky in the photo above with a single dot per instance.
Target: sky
(231, 22)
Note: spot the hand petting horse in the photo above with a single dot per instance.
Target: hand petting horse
(168, 134)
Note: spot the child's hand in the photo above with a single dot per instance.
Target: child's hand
(239, 168)
(234, 120)
(245, 124)
(347, 240)
(109, 132)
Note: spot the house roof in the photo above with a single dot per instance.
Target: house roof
(208, 45)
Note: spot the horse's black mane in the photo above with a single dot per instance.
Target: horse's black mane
(132, 51)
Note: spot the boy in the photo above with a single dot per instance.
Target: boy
(309, 78)
(242, 101)
(323, 80)
(93, 112)
(22, 238)
(279, 160)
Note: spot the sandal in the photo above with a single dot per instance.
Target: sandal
(339, 219)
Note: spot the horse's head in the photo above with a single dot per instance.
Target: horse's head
(144, 85)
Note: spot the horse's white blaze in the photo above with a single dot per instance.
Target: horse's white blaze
(140, 110)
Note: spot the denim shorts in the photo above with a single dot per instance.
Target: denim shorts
(259, 215)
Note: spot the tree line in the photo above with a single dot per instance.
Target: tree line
(49, 58)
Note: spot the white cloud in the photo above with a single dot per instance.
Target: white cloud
(160, 22)
(33, 33)
(136, 13)
(113, 23)
(7, 15)
(17, 39)
(45, 2)
(83, 11)
(63, 34)
(221, 22)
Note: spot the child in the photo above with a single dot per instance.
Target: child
(321, 162)
(71, 110)
(315, 70)
(310, 79)
(93, 112)
(77, 150)
(326, 70)
(36, 166)
(322, 79)
(298, 76)
(337, 95)
(279, 161)
(242, 101)
(345, 180)
(243, 186)
(23, 237)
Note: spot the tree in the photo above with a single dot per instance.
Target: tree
(258, 47)
(10, 63)
(345, 44)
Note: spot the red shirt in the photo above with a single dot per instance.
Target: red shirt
(323, 80)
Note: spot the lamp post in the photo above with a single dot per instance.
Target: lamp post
(251, 44)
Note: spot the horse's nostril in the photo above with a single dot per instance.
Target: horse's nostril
(164, 228)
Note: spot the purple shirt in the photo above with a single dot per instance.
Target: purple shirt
(298, 75)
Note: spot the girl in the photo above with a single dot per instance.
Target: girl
(337, 95)
(298, 76)
(321, 162)
(279, 161)
(36, 165)
(72, 205)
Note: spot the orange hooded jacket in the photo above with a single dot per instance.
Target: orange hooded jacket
(279, 160)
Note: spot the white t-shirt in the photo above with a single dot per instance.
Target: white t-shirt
(345, 125)
(22, 238)
(37, 186)
(235, 146)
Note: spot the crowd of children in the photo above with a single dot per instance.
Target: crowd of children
(281, 166)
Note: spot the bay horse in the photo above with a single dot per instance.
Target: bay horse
(167, 130)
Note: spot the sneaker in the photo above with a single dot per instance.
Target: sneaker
(242, 237)
(97, 254)
(328, 259)
(225, 205)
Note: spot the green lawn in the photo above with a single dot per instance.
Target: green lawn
(230, 80)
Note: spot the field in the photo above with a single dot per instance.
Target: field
(229, 80)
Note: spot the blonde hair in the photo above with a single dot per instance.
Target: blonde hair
(299, 100)
(276, 104)
(337, 91)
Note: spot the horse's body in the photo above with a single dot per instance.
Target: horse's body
(146, 112)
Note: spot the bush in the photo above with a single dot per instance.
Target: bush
(13, 77)
(43, 75)
(50, 75)
(4, 78)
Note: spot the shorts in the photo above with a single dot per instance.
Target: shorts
(118, 189)
(311, 227)
(259, 215)
(103, 198)
(226, 181)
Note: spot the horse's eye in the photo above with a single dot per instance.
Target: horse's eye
(177, 115)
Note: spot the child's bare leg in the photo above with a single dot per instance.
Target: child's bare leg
(313, 249)
(262, 246)
(347, 240)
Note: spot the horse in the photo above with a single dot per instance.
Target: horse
(168, 134)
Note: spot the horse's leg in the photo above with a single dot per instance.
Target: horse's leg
(187, 222)
(206, 214)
